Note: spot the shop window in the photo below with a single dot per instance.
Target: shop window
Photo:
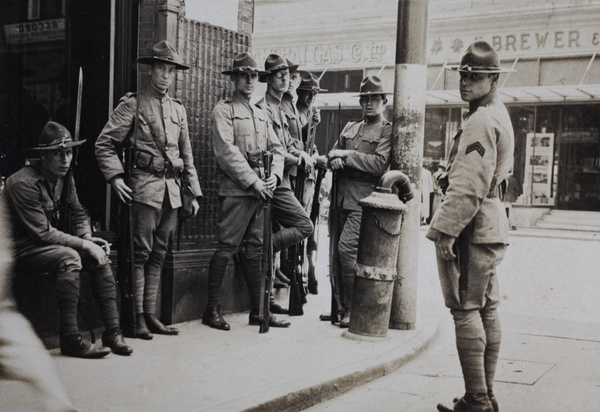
(341, 81)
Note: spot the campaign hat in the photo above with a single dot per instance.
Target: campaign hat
(163, 52)
(275, 63)
(55, 136)
(244, 63)
(310, 82)
(480, 57)
(371, 85)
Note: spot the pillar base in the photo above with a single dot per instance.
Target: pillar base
(364, 338)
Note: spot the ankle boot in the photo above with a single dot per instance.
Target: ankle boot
(348, 295)
(114, 340)
(213, 318)
(141, 330)
(75, 345)
(469, 403)
(156, 326)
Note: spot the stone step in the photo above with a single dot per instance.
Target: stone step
(568, 226)
(568, 219)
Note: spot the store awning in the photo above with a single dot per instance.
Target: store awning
(584, 93)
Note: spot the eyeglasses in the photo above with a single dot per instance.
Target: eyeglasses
(371, 98)
(282, 74)
(471, 77)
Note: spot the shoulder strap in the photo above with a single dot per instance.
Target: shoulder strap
(155, 137)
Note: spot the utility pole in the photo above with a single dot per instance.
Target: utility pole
(407, 148)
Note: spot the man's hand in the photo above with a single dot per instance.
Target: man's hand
(443, 247)
(123, 191)
(320, 161)
(309, 162)
(266, 187)
(316, 115)
(195, 207)
(98, 249)
(337, 163)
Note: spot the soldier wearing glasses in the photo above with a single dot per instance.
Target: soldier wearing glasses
(288, 213)
(470, 228)
(360, 156)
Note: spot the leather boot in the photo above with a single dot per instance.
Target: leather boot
(114, 340)
(348, 294)
(477, 403)
(75, 345)
(275, 307)
(212, 317)
(156, 326)
(141, 330)
(273, 321)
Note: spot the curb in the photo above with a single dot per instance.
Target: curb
(293, 396)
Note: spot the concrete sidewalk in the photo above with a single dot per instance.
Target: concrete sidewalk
(204, 369)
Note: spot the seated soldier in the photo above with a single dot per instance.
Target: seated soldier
(34, 197)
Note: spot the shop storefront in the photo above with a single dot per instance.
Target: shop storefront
(553, 96)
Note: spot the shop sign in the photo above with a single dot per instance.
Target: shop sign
(35, 31)
(343, 54)
(541, 42)
(579, 136)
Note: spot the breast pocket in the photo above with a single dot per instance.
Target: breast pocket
(369, 144)
(146, 124)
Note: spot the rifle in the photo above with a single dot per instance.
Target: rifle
(334, 238)
(126, 260)
(334, 269)
(266, 282)
(296, 253)
(64, 223)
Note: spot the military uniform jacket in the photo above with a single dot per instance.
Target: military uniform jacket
(240, 128)
(294, 125)
(168, 119)
(272, 108)
(34, 205)
(480, 158)
(370, 145)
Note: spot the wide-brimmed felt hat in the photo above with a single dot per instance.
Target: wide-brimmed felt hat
(163, 52)
(310, 82)
(55, 136)
(480, 57)
(371, 85)
(244, 63)
(275, 63)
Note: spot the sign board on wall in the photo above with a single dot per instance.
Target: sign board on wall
(539, 161)
(35, 31)
(510, 44)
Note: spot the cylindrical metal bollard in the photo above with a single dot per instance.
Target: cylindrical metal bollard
(376, 261)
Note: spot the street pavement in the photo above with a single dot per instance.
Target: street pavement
(550, 355)
(548, 361)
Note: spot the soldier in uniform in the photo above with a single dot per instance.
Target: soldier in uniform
(35, 194)
(288, 213)
(162, 158)
(241, 134)
(470, 228)
(360, 156)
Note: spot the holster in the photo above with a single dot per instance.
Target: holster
(255, 160)
(158, 166)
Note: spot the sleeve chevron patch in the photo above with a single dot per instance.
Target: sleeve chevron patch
(476, 147)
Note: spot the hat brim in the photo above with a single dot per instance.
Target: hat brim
(267, 73)
(152, 60)
(371, 93)
(459, 69)
(57, 146)
(312, 89)
(244, 70)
